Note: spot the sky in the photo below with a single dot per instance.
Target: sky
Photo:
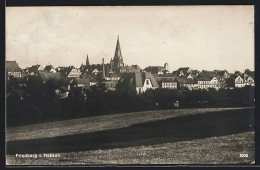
(199, 37)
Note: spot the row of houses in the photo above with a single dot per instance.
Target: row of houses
(142, 80)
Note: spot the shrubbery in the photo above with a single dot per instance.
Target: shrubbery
(37, 102)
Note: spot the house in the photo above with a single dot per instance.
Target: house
(45, 75)
(158, 69)
(12, 69)
(73, 72)
(69, 72)
(50, 69)
(249, 81)
(191, 84)
(144, 81)
(223, 74)
(169, 83)
(249, 77)
(208, 82)
(62, 92)
(182, 72)
(33, 70)
(239, 82)
(193, 74)
(85, 81)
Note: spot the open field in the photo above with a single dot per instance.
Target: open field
(187, 136)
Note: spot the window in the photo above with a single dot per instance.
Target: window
(147, 82)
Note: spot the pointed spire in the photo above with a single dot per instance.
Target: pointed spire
(118, 53)
(87, 61)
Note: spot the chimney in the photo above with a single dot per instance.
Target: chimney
(103, 66)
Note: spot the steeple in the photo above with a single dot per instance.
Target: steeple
(87, 62)
(118, 53)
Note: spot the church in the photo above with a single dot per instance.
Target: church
(117, 65)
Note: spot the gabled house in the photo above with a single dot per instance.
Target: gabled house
(73, 72)
(208, 82)
(143, 81)
(222, 74)
(182, 72)
(239, 82)
(33, 70)
(12, 69)
(249, 81)
(193, 74)
(69, 72)
(249, 77)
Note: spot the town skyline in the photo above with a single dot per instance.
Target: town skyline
(52, 35)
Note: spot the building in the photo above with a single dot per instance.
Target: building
(32, 71)
(191, 84)
(169, 83)
(158, 69)
(83, 82)
(45, 75)
(223, 74)
(144, 81)
(239, 82)
(249, 81)
(193, 74)
(85, 68)
(208, 82)
(117, 62)
(69, 72)
(182, 72)
(249, 77)
(12, 69)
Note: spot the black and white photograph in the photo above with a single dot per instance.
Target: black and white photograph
(130, 85)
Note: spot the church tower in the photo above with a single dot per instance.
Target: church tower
(118, 58)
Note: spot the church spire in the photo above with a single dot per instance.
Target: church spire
(87, 62)
(118, 53)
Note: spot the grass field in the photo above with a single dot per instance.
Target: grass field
(185, 136)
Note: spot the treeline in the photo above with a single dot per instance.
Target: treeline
(37, 102)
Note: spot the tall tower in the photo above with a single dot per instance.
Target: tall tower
(118, 58)
(103, 69)
(87, 61)
(166, 67)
